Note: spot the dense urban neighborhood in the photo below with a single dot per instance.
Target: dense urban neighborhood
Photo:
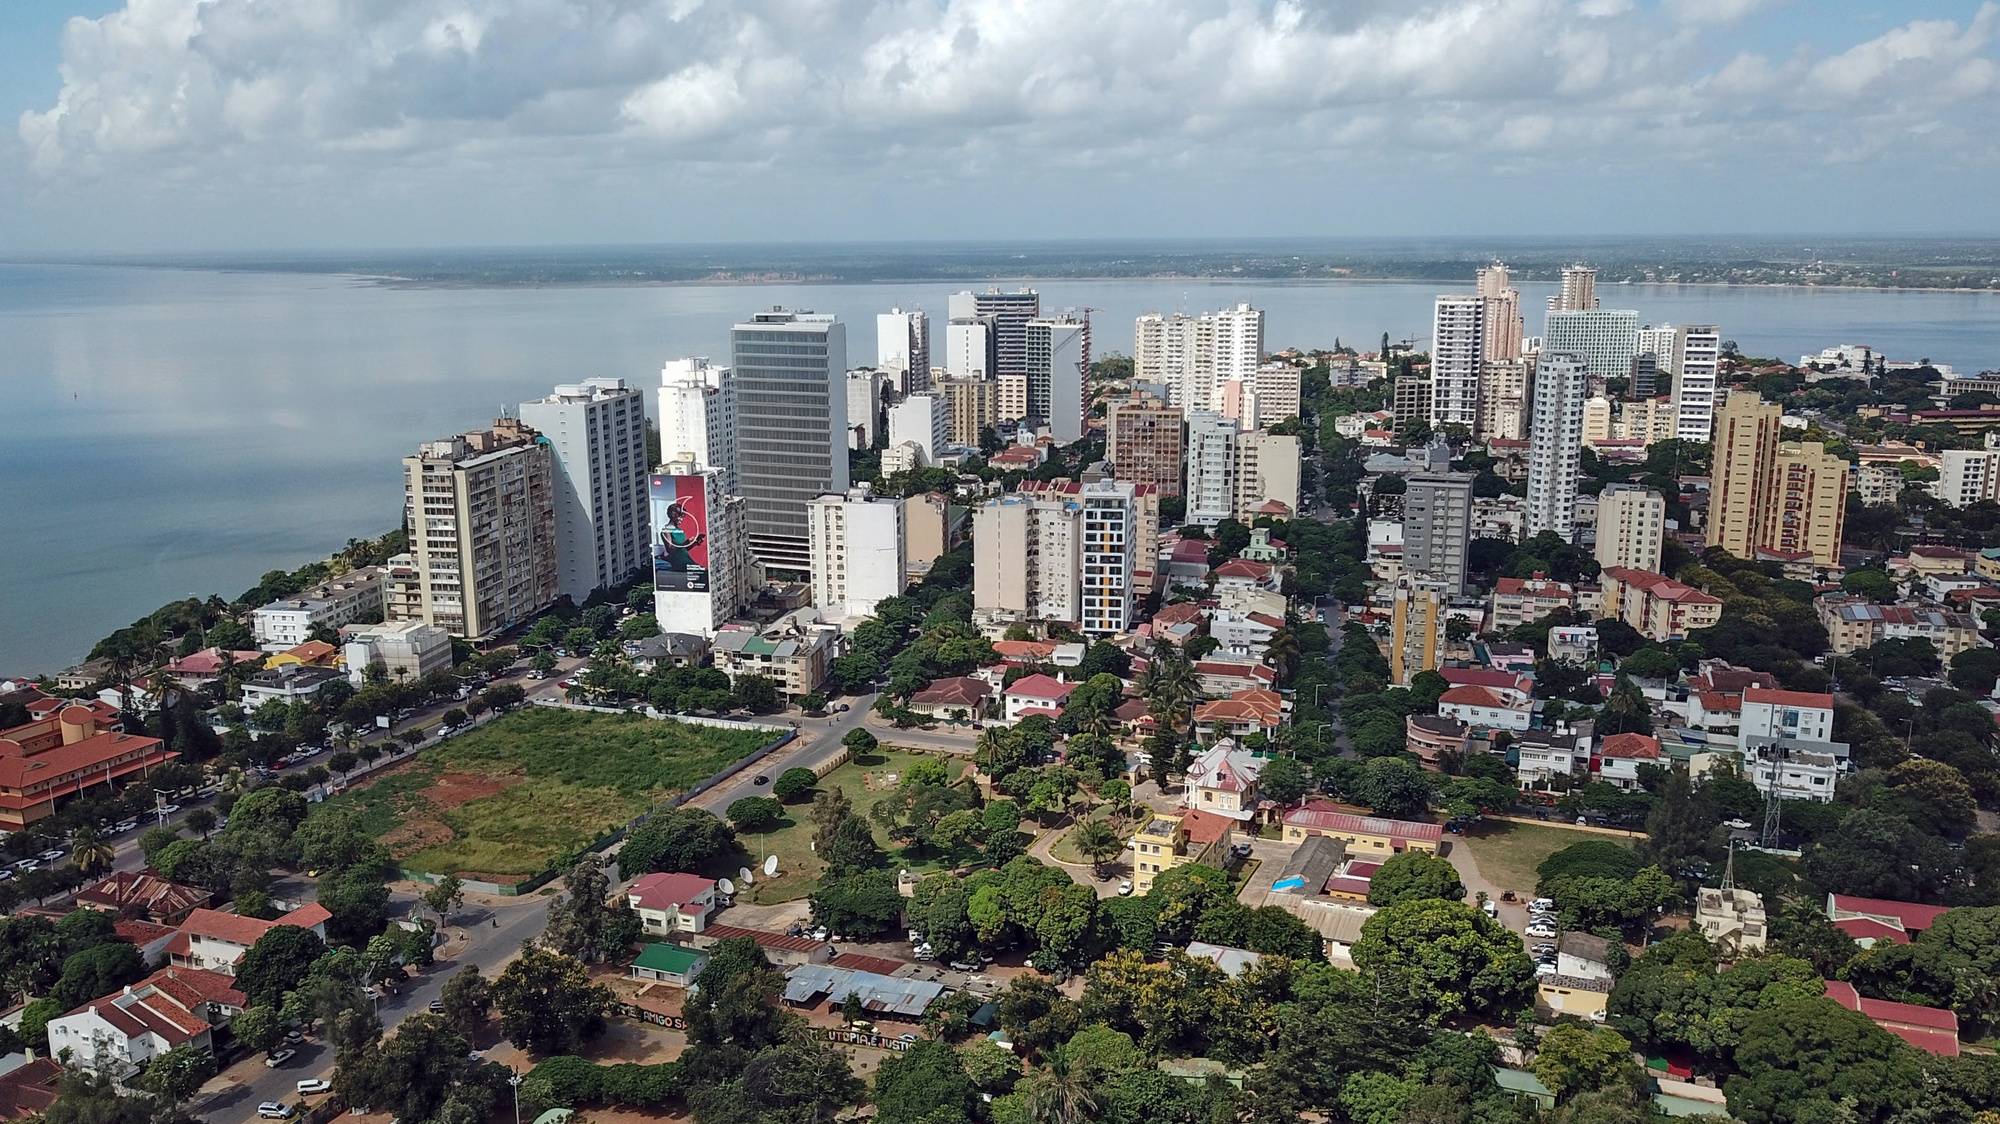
(1589, 725)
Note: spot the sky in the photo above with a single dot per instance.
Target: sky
(216, 125)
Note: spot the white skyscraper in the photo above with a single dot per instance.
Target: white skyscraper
(1603, 339)
(924, 420)
(1239, 342)
(1211, 468)
(597, 432)
(1193, 355)
(857, 544)
(791, 426)
(1555, 445)
(1027, 560)
(701, 564)
(864, 407)
(1967, 476)
(971, 350)
(1695, 366)
(1277, 391)
(1457, 348)
(1009, 314)
(1058, 355)
(1109, 532)
(698, 416)
(903, 348)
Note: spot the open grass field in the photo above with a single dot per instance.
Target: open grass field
(866, 779)
(1508, 853)
(503, 802)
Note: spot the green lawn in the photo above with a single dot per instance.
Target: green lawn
(1064, 849)
(1508, 853)
(865, 780)
(506, 800)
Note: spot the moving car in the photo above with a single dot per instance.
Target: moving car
(437, 1007)
(314, 1085)
(28, 864)
(279, 1057)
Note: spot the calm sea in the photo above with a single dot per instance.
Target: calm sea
(174, 432)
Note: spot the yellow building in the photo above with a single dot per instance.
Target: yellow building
(1788, 496)
(1808, 508)
(312, 653)
(1416, 641)
(1659, 607)
(1365, 836)
(1169, 840)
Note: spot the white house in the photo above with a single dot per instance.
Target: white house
(1545, 754)
(1619, 757)
(1798, 772)
(672, 903)
(1035, 694)
(1795, 715)
(1223, 780)
(214, 941)
(1485, 708)
(288, 683)
(123, 1031)
(1243, 634)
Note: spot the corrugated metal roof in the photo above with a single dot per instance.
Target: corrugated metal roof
(878, 994)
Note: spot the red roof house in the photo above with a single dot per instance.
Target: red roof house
(1931, 1029)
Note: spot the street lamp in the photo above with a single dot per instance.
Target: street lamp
(514, 1080)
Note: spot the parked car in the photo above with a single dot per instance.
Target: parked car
(1541, 930)
(279, 1057)
(51, 855)
(1542, 904)
(28, 864)
(436, 1007)
(1125, 888)
(272, 1110)
(965, 965)
(761, 780)
(169, 809)
(314, 1085)
(1545, 968)
(1737, 825)
(5, 874)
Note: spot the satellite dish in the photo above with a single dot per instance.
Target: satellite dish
(725, 885)
(743, 876)
(770, 866)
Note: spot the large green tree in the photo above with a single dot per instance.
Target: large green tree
(1445, 959)
(1415, 875)
(1807, 1061)
(547, 1003)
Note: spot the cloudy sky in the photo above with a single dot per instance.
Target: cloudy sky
(226, 124)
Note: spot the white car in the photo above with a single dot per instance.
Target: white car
(1542, 931)
(28, 864)
(51, 855)
(1125, 888)
(314, 1085)
(169, 809)
(1545, 968)
(1737, 825)
(1542, 905)
(272, 1110)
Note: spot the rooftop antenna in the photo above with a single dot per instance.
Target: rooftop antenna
(1729, 867)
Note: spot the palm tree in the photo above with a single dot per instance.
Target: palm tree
(1062, 1095)
(989, 748)
(1098, 842)
(1282, 653)
(89, 850)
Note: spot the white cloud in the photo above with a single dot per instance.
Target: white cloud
(253, 93)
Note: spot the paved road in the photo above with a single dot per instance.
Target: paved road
(819, 740)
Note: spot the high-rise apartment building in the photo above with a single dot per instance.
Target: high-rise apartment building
(1144, 443)
(1631, 527)
(1027, 561)
(1010, 398)
(858, 552)
(1457, 360)
(1277, 386)
(1417, 620)
(927, 531)
(970, 406)
(1437, 527)
(480, 513)
(1010, 313)
(903, 348)
(1192, 355)
(1745, 453)
(864, 407)
(1503, 398)
(596, 430)
(1410, 400)
(972, 347)
(1110, 531)
(925, 420)
(1597, 425)
(1502, 317)
(1695, 366)
(701, 563)
(1604, 339)
(1809, 512)
(791, 426)
(1267, 471)
(1211, 468)
(1967, 476)
(698, 416)
(1555, 445)
(1058, 357)
(1578, 292)
(1236, 399)
(1239, 342)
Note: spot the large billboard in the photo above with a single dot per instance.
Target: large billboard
(680, 533)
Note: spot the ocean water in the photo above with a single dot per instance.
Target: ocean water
(173, 432)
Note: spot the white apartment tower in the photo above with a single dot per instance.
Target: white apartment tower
(1058, 355)
(1009, 314)
(596, 430)
(1457, 360)
(1579, 289)
(684, 600)
(1277, 388)
(1555, 445)
(1695, 365)
(791, 426)
(1239, 342)
(971, 348)
(903, 348)
(1211, 468)
(1194, 355)
(1603, 339)
(858, 552)
(1109, 534)
(924, 420)
(1967, 476)
(1631, 527)
(864, 407)
(698, 416)
(480, 513)
(1502, 330)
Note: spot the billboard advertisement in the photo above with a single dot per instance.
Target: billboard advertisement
(680, 533)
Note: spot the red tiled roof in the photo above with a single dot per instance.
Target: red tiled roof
(1869, 929)
(1720, 703)
(1932, 1029)
(1190, 550)
(1482, 677)
(1244, 568)
(141, 891)
(1326, 817)
(1205, 827)
(1347, 884)
(30, 1089)
(956, 691)
(64, 762)
(1788, 698)
(1024, 651)
(1636, 747)
(1660, 586)
(1475, 696)
(669, 891)
(139, 934)
(1734, 680)
(1039, 712)
(1915, 917)
(1040, 687)
(238, 929)
(1131, 710)
(764, 938)
(1234, 670)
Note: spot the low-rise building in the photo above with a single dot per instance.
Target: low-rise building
(794, 652)
(1543, 755)
(1933, 1030)
(406, 651)
(1166, 840)
(954, 699)
(1245, 574)
(1659, 607)
(1620, 757)
(1434, 738)
(1793, 770)
(52, 760)
(1033, 695)
(1222, 780)
(198, 669)
(1869, 920)
(312, 653)
(288, 621)
(289, 683)
(667, 963)
(1243, 634)
(1220, 677)
(144, 895)
(1574, 644)
(672, 903)
(1483, 708)
(1363, 835)
(1581, 984)
(214, 941)
(1256, 711)
(1519, 601)
(1732, 918)
(121, 1032)
(1855, 623)
(1803, 716)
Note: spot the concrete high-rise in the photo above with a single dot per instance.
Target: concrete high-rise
(972, 348)
(1417, 636)
(697, 594)
(864, 407)
(480, 513)
(1502, 316)
(923, 419)
(1578, 292)
(1457, 360)
(970, 406)
(1745, 455)
(1437, 527)
(1211, 468)
(903, 348)
(1144, 443)
(1027, 561)
(1967, 476)
(1110, 532)
(698, 416)
(1267, 470)
(790, 370)
(596, 430)
(1239, 342)
(1410, 399)
(1631, 527)
(1695, 366)
(1010, 313)
(858, 552)
(1808, 513)
(1193, 355)
(1604, 339)
(1555, 445)
(1058, 357)
(1503, 399)
(1277, 391)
